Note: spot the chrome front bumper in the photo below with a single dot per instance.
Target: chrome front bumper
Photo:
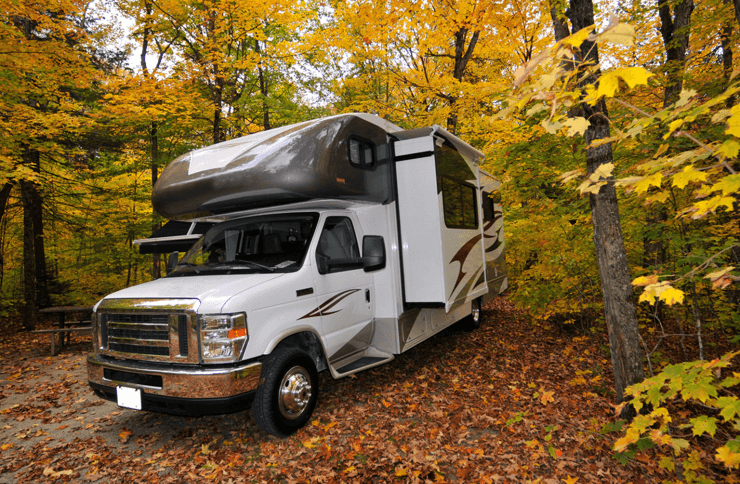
(182, 383)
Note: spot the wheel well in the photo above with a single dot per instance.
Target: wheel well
(309, 343)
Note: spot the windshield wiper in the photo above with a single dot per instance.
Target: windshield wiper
(247, 262)
(191, 265)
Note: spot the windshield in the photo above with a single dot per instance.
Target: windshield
(270, 243)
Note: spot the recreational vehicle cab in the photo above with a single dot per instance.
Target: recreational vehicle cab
(332, 244)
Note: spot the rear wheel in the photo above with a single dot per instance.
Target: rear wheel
(473, 321)
(287, 397)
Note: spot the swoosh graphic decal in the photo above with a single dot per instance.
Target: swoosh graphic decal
(461, 256)
(494, 246)
(328, 304)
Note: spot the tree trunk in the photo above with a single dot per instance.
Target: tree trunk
(30, 307)
(33, 208)
(4, 196)
(263, 89)
(619, 305)
(42, 275)
(156, 258)
(463, 54)
(674, 28)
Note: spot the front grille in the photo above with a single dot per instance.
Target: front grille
(138, 334)
(135, 378)
(139, 318)
(146, 334)
(140, 349)
(182, 334)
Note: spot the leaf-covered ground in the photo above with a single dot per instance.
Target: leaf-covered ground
(511, 402)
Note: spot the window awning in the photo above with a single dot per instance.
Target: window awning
(174, 236)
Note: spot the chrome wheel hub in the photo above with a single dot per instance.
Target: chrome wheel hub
(295, 392)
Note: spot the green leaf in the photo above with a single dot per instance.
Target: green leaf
(729, 407)
(729, 184)
(704, 424)
(667, 463)
(699, 391)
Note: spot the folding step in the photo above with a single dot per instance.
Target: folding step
(370, 358)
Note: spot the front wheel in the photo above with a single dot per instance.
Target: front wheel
(287, 397)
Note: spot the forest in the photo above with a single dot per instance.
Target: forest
(614, 127)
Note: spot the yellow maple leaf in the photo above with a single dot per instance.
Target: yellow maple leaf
(670, 295)
(727, 185)
(654, 180)
(570, 480)
(401, 472)
(602, 172)
(688, 175)
(706, 206)
(728, 149)
(349, 469)
(631, 436)
(608, 84)
(618, 33)
(733, 125)
(713, 276)
(673, 127)
(728, 457)
(645, 280)
(577, 39)
(635, 76)
(576, 125)
(547, 397)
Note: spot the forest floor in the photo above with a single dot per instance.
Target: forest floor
(510, 402)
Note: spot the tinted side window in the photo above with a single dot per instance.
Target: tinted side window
(488, 211)
(458, 200)
(337, 241)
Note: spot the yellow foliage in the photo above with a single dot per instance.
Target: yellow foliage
(653, 180)
(663, 291)
(689, 174)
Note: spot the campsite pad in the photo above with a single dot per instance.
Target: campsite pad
(502, 404)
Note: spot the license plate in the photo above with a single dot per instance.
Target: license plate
(129, 397)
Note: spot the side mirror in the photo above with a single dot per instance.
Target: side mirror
(373, 252)
(172, 261)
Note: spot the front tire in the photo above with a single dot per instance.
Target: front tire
(287, 397)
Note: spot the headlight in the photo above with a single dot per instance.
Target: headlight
(222, 337)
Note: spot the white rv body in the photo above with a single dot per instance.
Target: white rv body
(429, 259)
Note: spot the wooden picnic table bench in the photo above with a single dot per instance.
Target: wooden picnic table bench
(62, 332)
(64, 327)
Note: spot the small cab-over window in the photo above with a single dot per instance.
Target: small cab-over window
(361, 153)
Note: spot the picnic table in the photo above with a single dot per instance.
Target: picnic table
(65, 327)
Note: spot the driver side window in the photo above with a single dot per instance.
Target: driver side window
(337, 241)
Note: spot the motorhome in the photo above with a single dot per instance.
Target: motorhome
(328, 245)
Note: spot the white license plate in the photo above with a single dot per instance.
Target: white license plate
(129, 397)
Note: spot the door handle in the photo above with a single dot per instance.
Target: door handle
(367, 295)
(304, 292)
